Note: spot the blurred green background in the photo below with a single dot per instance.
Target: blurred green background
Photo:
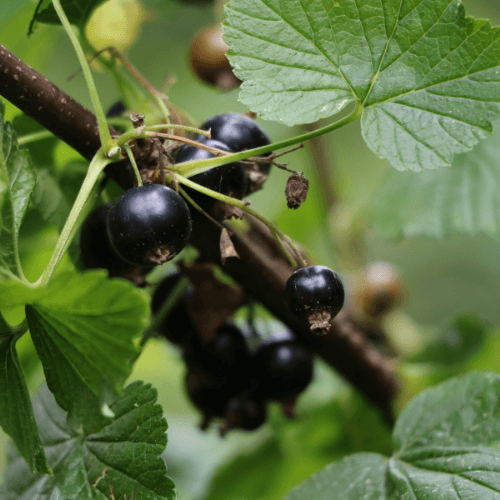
(457, 275)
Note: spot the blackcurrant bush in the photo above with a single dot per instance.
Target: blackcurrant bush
(380, 289)
(237, 131)
(283, 370)
(244, 413)
(116, 109)
(177, 327)
(149, 225)
(208, 59)
(230, 179)
(95, 249)
(314, 289)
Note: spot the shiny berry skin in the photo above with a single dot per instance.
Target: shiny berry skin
(149, 225)
(227, 353)
(283, 370)
(237, 131)
(245, 413)
(314, 288)
(177, 327)
(230, 179)
(208, 59)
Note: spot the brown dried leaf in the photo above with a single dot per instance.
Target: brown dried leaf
(212, 302)
(296, 190)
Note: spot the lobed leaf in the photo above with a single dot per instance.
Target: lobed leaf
(17, 181)
(461, 199)
(16, 417)
(122, 460)
(85, 328)
(446, 446)
(427, 76)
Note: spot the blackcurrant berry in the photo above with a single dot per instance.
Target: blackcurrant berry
(230, 179)
(380, 290)
(95, 249)
(237, 131)
(116, 109)
(149, 225)
(177, 327)
(314, 289)
(283, 370)
(210, 392)
(208, 59)
(244, 413)
(227, 353)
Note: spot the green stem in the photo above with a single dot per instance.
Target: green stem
(35, 136)
(190, 168)
(277, 234)
(133, 163)
(95, 168)
(142, 133)
(104, 134)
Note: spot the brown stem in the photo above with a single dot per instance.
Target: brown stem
(262, 268)
(46, 103)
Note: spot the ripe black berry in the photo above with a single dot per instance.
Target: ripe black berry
(315, 290)
(237, 131)
(230, 179)
(210, 392)
(116, 109)
(283, 370)
(244, 413)
(208, 59)
(177, 327)
(95, 249)
(149, 225)
(227, 353)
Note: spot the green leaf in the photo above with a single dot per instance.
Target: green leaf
(16, 417)
(17, 181)
(123, 459)
(85, 329)
(77, 11)
(455, 343)
(50, 200)
(426, 75)
(446, 447)
(461, 199)
(5, 329)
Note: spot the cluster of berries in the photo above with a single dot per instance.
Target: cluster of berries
(150, 224)
(236, 373)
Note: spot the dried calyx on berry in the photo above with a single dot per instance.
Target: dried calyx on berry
(315, 293)
(239, 133)
(177, 326)
(243, 412)
(208, 59)
(230, 180)
(149, 225)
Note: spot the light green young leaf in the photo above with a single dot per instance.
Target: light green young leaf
(428, 77)
(17, 181)
(85, 329)
(446, 447)
(122, 459)
(461, 199)
(16, 417)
